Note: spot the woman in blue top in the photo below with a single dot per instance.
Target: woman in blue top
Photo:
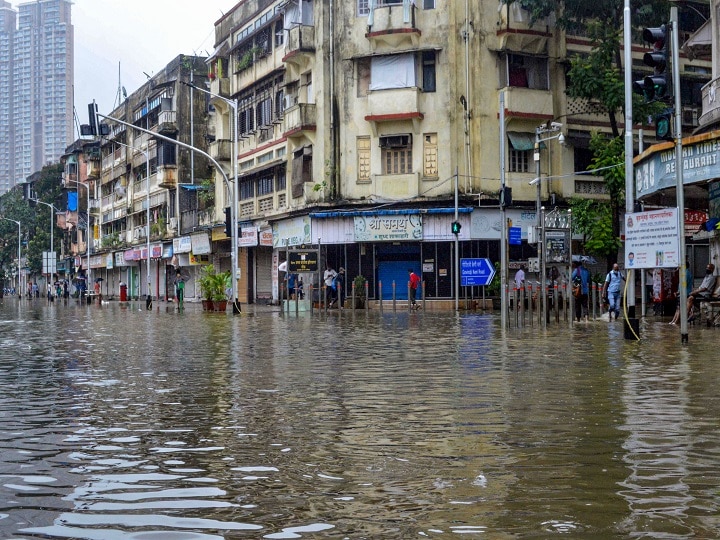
(612, 289)
(581, 275)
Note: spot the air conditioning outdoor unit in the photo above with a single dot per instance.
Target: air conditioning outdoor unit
(396, 141)
(690, 116)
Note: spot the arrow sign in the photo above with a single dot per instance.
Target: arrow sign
(476, 272)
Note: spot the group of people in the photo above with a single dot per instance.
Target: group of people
(334, 285)
(695, 295)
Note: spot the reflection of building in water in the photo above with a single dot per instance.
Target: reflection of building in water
(657, 422)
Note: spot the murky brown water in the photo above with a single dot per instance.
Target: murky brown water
(155, 425)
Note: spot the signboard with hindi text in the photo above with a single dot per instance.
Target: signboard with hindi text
(652, 239)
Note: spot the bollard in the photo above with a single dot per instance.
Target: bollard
(423, 294)
(514, 305)
(530, 304)
(367, 296)
(393, 297)
(565, 301)
(408, 296)
(522, 306)
(555, 303)
(352, 292)
(380, 296)
(312, 298)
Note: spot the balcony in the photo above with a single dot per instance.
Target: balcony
(221, 149)
(220, 86)
(528, 103)
(300, 48)
(393, 26)
(167, 123)
(167, 176)
(299, 119)
(393, 105)
(94, 169)
(710, 103)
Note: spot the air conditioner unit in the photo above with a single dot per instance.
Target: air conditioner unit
(690, 116)
(396, 141)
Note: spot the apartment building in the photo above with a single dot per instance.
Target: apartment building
(144, 190)
(360, 121)
(36, 81)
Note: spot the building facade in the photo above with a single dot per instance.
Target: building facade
(36, 87)
(145, 196)
(367, 128)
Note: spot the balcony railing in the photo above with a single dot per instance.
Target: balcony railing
(221, 149)
(394, 25)
(301, 39)
(299, 118)
(710, 103)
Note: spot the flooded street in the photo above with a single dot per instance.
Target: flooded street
(122, 423)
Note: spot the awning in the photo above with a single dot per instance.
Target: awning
(401, 212)
(521, 141)
(699, 44)
(193, 187)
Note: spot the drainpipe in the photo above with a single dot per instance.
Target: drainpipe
(333, 136)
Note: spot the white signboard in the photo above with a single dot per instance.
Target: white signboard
(485, 223)
(248, 237)
(200, 244)
(652, 239)
(182, 244)
(292, 232)
(388, 228)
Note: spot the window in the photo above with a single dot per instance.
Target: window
(430, 155)
(301, 170)
(393, 71)
(526, 72)
(428, 71)
(429, 4)
(396, 154)
(363, 165)
(279, 34)
(363, 77)
(264, 112)
(519, 160)
(363, 8)
(265, 185)
(246, 189)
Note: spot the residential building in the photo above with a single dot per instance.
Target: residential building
(36, 82)
(145, 190)
(362, 123)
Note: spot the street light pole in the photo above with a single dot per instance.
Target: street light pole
(18, 256)
(188, 147)
(233, 104)
(51, 267)
(87, 231)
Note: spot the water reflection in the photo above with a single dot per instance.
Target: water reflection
(119, 423)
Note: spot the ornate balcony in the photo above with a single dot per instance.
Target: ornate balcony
(167, 176)
(299, 119)
(393, 26)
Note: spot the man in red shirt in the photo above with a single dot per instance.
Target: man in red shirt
(414, 282)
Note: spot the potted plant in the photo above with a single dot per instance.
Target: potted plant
(207, 286)
(359, 286)
(220, 285)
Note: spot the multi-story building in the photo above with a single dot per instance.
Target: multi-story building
(36, 81)
(359, 122)
(149, 190)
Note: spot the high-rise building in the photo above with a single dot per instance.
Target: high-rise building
(36, 78)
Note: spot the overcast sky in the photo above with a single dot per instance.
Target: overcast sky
(141, 36)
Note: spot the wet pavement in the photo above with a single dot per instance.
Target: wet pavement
(122, 423)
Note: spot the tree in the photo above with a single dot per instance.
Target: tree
(596, 219)
(598, 77)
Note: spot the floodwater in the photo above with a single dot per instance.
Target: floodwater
(128, 424)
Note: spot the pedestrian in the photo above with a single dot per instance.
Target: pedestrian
(179, 288)
(96, 290)
(520, 277)
(688, 289)
(328, 277)
(704, 291)
(414, 282)
(300, 287)
(580, 278)
(338, 286)
(612, 288)
(35, 290)
(291, 285)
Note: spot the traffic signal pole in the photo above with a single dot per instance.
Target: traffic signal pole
(680, 183)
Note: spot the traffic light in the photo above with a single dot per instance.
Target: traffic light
(228, 221)
(455, 227)
(656, 86)
(663, 125)
(92, 116)
(505, 196)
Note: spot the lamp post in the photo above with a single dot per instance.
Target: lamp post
(51, 266)
(18, 258)
(233, 104)
(552, 127)
(194, 149)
